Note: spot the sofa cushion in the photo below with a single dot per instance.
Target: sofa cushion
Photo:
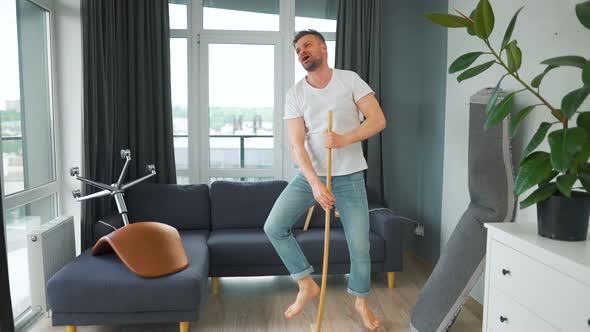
(181, 206)
(103, 284)
(312, 244)
(252, 247)
(243, 204)
(241, 247)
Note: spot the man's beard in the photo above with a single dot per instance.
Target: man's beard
(313, 65)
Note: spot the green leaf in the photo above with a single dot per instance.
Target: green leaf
(565, 184)
(500, 112)
(537, 138)
(568, 60)
(533, 169)
(484, 19)
(470, 28)
(572, 101)
(510, 29)
(545, 191)
(536, 82)
(494, 96)
(518, 117)
(586, 74)
(565, 144)
(514, 56)
(449, 21)
(549, 177)
(464, 61)
(584, 176)
(583, 121)
(583, 13)
(580, 158)
(474, 71)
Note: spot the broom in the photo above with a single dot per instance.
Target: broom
(326, 238)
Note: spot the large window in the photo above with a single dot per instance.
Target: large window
(232, 63)
(26, 120)
(241, 108)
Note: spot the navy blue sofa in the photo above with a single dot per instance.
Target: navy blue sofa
(222, 231)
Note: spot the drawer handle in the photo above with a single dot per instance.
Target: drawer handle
(503, 319)
(505, 272)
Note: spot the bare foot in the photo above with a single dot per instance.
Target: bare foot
(369, 320)
(308, 289)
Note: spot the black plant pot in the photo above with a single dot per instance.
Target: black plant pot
(563, 218)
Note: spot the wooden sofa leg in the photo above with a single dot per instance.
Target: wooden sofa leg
(70, 328)
(215, 282)
(390, 279)
(183, 326)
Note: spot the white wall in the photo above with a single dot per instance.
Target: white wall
(68, 52)
(545, 28)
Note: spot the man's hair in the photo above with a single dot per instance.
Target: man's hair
(302, 33)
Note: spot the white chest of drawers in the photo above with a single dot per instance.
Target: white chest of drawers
(534, 283)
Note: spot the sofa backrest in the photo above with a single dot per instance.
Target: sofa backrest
(181, 206)
(243, 204)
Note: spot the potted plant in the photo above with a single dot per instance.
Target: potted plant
(563, 211)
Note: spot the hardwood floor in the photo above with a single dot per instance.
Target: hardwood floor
(257, 304)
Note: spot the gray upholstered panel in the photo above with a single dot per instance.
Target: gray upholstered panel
(492, 200)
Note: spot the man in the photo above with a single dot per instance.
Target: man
(306, 111)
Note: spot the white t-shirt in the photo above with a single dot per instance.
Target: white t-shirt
(339, 96)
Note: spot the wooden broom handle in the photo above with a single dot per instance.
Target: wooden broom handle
(326, 236)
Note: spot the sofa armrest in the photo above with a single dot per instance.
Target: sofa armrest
(386, 224)
(107, 225)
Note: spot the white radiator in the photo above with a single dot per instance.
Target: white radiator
(50, 247)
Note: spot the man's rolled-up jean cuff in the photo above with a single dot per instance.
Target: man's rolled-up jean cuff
(303, 273)
(364, 294)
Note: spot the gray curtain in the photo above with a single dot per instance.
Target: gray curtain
(358, 48)
(126, 64)
(6, 319)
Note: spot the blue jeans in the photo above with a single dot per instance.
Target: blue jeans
(351, 202)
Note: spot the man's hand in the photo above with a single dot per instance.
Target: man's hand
(322, 195)
(334, 141)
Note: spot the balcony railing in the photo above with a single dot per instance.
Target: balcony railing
(242, 139)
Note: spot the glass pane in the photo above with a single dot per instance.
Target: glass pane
(260, 15)
(181, 152)
(319, 15)
(12, 162)
(179, 84)
(10, 115)
(183, 179)
(177, 12)
(240, 107)
(300, 71)
(30, 159)
(239, 179)
(224, 152)
(18, 221)
(258, 152)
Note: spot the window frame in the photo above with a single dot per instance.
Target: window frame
(27, 196)
(198, 39)
(53, 188)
